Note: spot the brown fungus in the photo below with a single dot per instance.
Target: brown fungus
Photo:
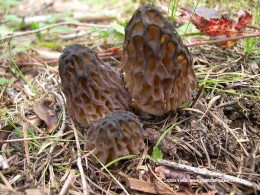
(92, 88)
(118, 134)
(158, 66)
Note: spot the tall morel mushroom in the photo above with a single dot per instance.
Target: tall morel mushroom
(118, 134)
(92, 89)
(158, 66)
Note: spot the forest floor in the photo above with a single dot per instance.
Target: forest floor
(43, 153)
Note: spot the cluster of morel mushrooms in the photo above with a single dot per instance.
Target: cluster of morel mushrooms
(158, 77)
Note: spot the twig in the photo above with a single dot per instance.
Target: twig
(67, 183)
(79, 16)
(253, 26)
(19, 34)
(63, 120)
(5, 181)
(164, 184)
(26, 146)
(27, 121)
(222, 40)
(206, 172)
(213, 100)
(35, 138)
(79, 163)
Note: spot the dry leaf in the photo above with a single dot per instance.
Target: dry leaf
(45, 113)
(4, 133)
(220, 27)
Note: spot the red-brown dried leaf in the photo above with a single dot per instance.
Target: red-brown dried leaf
(45, 113)
(220, 27)
(243, 20)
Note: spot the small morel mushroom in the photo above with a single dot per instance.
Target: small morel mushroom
(118, 134)
(158, 66)
(92, 88)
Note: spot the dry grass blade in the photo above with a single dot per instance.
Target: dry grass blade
(85, 185)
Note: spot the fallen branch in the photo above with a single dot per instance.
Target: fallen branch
(206, 172)
(35, 138)
(253, 27)
(222, 40)
(68, 182)
(19, 34)
(76, 15)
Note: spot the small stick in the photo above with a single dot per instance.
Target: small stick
(206, 172)
(5, 181)
(252, 26)
(62, 104)
(35, 138)
(26, 146)
(67, 183)
(222, 40)
(164, 184)
(27, 121)
(20, 34)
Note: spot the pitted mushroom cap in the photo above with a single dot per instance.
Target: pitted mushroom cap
(118, 134)
(92, 89)
(158, 66)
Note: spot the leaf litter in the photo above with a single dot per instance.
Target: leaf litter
(220, 133)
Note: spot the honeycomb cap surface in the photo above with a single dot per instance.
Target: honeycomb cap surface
(118, 134)
(158, 66)
(92, 88)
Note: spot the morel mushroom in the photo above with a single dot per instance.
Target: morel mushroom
(118, 134)
(158, 66)
(92, 88)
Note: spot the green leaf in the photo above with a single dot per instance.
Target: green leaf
(117, 160)
(13, 18)
(150, 158)
(164, 134)
(187, 29)
(35, 26)
(157, 153)
(6, 81)
(119, 28)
